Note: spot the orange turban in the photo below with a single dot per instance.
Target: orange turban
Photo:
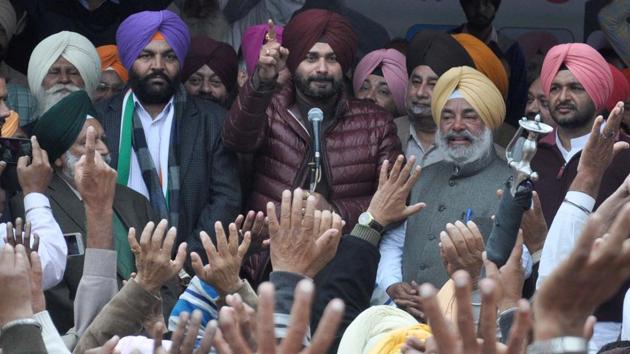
(11, 125)
(485, 61)
(586, 64)
(111, 61)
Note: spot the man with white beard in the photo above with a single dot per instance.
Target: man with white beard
(467, 108)
(62, 63)
(65, 141)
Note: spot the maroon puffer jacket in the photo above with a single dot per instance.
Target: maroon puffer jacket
(353, 148)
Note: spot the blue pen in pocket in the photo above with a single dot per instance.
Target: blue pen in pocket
(468, 215)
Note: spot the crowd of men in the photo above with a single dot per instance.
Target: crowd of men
(280, 176)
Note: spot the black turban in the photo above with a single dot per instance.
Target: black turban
(437, 50)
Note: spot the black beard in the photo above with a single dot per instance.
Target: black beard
(578, 121)
(142, 88)
(304, 85)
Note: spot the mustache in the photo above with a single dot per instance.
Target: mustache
(157, 75)
(462, 134)
(568, 105)
(321, 78)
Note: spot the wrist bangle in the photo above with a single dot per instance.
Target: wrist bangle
(21, 322)
(560, 345)
(586, 211)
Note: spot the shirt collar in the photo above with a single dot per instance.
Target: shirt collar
(577, 144)
(162, 114)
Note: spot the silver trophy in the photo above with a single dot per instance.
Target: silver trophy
(522, 169)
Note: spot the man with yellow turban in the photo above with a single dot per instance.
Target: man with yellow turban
(578, 83)
(61, 64)
(467, 108)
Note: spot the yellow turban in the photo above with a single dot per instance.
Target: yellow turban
(381, 330)
(476, 89)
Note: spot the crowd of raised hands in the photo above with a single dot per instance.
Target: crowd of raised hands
(302, 241)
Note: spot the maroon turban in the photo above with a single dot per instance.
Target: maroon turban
(219, 56)
(312, 26)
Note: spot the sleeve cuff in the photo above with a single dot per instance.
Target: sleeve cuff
(45, 321)
(581, 199)
(367, 234)
(100, 262)
(35, 200)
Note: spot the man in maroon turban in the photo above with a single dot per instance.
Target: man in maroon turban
(271, 120)
(210, 70)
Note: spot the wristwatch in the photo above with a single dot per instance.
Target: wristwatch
(560, 345)
(366, 219)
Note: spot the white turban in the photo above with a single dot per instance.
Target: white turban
(75, 48)
(8, 19)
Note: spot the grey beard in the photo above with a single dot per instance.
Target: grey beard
(48, 98)
(480, 147)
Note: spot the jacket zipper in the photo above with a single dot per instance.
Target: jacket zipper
(297, 181)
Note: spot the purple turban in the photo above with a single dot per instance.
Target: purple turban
(252, 42)
(137, 30)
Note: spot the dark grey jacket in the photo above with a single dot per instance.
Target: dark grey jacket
(209, 183)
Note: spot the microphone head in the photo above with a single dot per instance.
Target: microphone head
(315, 115)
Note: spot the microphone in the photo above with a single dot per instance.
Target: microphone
(315, 116)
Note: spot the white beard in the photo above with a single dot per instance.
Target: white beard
(48, 98)
(479, 147)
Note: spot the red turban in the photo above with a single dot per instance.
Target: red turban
(312, 26)
(219, 56)
(586, 64)
(621, 88)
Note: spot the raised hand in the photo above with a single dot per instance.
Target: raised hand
(300, 243)
(461, 246)
(35, 176)
(405, 296)
(224, 260)
(185, 335)
(15, 284)
(231, 339)
(600, 149)
(562, 305)
(509, 279)
(462, 338)
(389, 203)
(153, 255)
(21, 235)
(256, 224)
(94, 178)
(534, 226)
(272, 59)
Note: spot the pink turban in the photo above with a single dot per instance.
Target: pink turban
(394, 68)
(253, 39)
(621, 89)
(586, 64)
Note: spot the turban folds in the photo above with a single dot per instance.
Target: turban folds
(252, 42)
(219, 56)
(111, 61)
(315, 25)
(58, 128)
(75, 48)
(381, 329)
(485, 61)
(478, 91)
(8, 18)
(137, 31)
(621, 88)
(392, 64)
(586, 64)
(437, 50)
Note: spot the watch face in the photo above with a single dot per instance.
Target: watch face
(364, 219)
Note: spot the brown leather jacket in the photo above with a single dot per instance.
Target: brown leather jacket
(353, 148)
